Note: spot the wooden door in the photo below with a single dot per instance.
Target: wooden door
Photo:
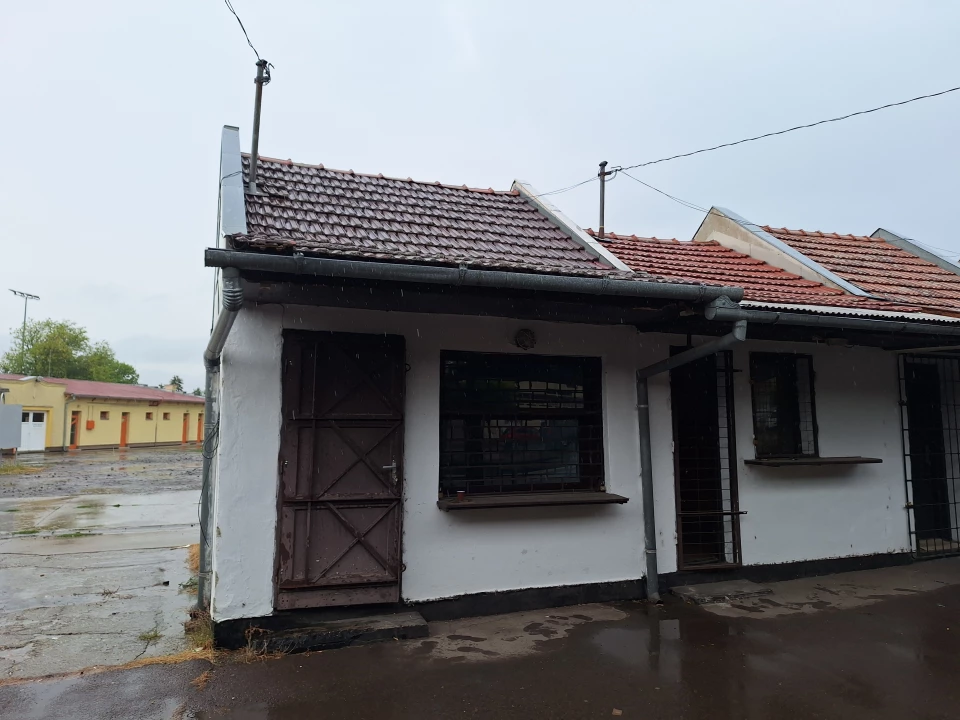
(200, 428)
(74, 429)
(124, 428)
(341, 470)
(185, 435)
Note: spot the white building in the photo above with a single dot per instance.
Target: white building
(432, 395)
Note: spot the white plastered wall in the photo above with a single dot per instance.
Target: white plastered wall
(446, 554)
(807, 513)
(794, 514)
(812, 513)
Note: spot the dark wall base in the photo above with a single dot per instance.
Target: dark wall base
(784, 571)
(232, 634)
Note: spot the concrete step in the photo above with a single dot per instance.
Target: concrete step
(720, 591)
(329, 634)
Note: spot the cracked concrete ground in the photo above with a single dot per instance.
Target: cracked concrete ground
(93, 580)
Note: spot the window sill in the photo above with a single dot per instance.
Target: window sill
(803, 461)
(478, 502)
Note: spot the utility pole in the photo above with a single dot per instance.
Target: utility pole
(603, 192)
(27, 297)
(263, 78)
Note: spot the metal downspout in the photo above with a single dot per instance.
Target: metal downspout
(232, 294)
(738, 334)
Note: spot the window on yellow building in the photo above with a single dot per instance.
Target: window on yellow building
(149, 416)
(166, 416)
(104, 415)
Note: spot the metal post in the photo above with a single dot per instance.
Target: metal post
(27, 297)
(603, 188)
(255, 144)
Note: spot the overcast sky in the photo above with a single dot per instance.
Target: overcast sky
(112, 116)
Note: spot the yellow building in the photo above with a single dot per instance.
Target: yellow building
(63, 414)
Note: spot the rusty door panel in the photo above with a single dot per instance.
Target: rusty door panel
(340, 499)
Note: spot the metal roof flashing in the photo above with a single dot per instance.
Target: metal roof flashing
(568, 227)
(233, 213)
(796, 255)
(910, 246)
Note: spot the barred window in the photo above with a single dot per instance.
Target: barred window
(519, 423)
(784, 416)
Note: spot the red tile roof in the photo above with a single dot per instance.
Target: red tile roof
(316, 210)
(710, 262)
(879, 268)
(112, 391)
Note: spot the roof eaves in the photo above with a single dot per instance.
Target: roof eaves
(851, 311)
(568, 227)
(910, 246)
(233, 213)
(791, 252)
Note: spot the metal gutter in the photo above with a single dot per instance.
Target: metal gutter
(232, 294)
(786, 249)
(463, 276)
(736, 335)
(725, 311)
(568, 226)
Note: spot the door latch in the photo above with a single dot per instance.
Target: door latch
(393, 471)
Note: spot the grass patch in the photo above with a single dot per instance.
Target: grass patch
(199, 631)
(201, 680)
(149, 637)
(189, 587)
(89, 506)
(15, 468)
(75, 535)
(12, 510)
(193, 558)
(31, 531)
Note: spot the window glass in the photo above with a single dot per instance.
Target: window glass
(519, 423)
(25, 417)
(38, 417)
(149, 416)
(104, 415)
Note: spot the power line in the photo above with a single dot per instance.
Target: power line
(792, 129)
(230, 8)
(681, 201)
(756, 137)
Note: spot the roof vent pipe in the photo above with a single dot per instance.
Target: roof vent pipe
(263, 78)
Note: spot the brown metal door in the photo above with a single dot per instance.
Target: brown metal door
(341, 469)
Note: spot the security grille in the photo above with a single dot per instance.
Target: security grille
(930, 421)
(784, 417)
(708, 513)
(519, 423)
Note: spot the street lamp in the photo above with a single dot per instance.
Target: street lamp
(27, 297)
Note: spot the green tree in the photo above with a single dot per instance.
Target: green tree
(177, 383)
(198, 392)
(63, 349)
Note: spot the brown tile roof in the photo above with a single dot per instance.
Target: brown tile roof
(879, 268)
(315, 210)
(711, 263)
(112, 391)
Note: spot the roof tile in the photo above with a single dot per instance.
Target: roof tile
(315, 210)
(712, 263)
(879, 268)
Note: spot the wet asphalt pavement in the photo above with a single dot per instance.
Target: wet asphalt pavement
(894, 658)
(130, 470)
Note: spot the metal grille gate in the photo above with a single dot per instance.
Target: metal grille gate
(708, 511)
(341, 470)
(930, 422)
